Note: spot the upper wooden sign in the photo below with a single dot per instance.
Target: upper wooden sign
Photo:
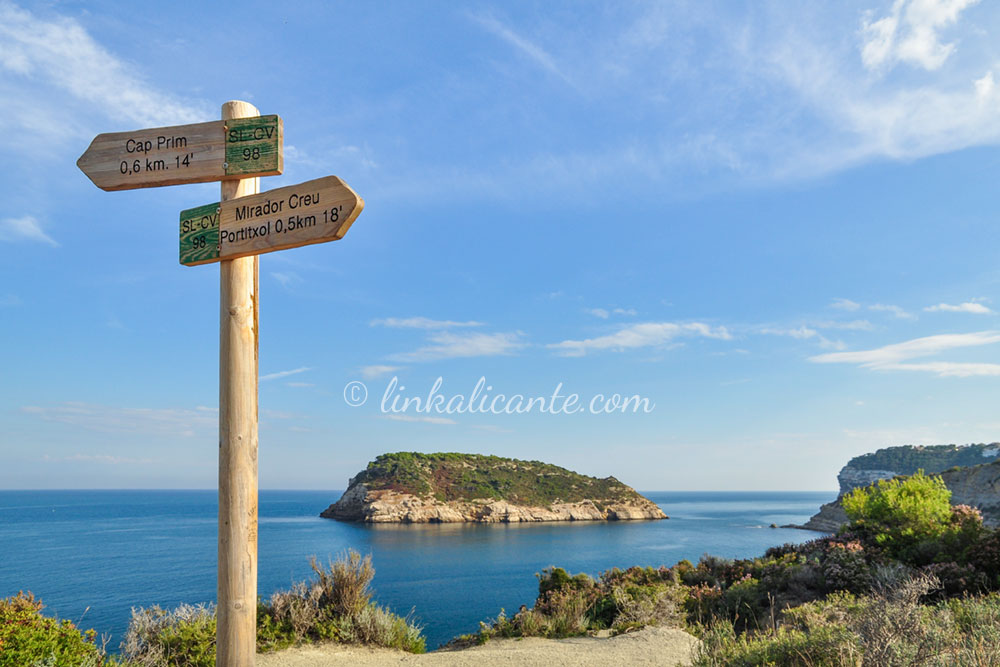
(311, 212)
(214, 151)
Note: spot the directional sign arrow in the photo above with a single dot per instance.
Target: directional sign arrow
(312, 212)
(215, 151)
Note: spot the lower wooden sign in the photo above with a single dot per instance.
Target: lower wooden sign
(312, 212)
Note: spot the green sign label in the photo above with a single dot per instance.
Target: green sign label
(200, 234)
(253, 145)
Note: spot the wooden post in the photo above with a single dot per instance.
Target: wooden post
(236, 634)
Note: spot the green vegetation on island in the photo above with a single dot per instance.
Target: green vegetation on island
(453, 476)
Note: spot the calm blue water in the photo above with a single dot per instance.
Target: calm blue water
(92, 555)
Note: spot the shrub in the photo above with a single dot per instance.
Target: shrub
(345, 586)
(335, 605)
(182, 637)
(28, 638)
(828, 646)
(898, 513)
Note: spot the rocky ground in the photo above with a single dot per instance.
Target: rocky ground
(651, 646)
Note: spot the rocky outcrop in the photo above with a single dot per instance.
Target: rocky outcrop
(976, 485)
(850, 477)
(361, 504)
(829, 519)
(431, 491)
(906, 460)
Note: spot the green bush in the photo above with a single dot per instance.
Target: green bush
(899, 513)
(28, 638)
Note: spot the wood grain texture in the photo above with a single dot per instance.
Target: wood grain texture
(316, 211)
(179, 154)
(236, 629)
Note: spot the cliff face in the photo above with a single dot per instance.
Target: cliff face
(970, 481)
(906, 460)
(445, 488)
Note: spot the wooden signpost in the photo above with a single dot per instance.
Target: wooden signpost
(233, 232)
(223, 149)
(312, 212)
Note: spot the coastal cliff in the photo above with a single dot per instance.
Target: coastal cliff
(971, 473)
(409, 487)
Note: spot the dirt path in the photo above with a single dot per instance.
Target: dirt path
(652, 646)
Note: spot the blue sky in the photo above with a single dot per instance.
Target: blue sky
(776, 223)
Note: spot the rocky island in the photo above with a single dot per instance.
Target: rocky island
(409, 487)
(971, 473)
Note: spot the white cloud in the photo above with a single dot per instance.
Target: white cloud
(10, 300)
(377, 370)
(801, 333)
(449, 345)
(25, 228)
(57, 52)
(947, 368)
(604, 313)
(286, 278)
(853, 325)
(425, 420)
(300, 385)
(535, 53)
(144, 421)
(910, 34)
(420, 323)
(967, 307)
(283, 374)
(637, 336)
(892, 357)
(845, 304)
(895, 310)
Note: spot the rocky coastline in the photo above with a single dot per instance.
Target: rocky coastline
(437, 489)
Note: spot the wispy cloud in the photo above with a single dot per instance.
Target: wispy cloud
(284, 374)
(852, 325)
(450, 345)
(300, 385)
(99, 458)
(45, 56)
(896, 311)
(420, 323)
(845, 304)
(377, 370)
(25, 228)
(532, 51)
(604, 313)
(802, 332)
(10, 300)
(414, 419)
(948, 368)
(286, 279)
(895, 356)
(142, 421)
(639, 335)
(967, 307)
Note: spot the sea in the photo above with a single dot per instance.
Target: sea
(91, 556)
